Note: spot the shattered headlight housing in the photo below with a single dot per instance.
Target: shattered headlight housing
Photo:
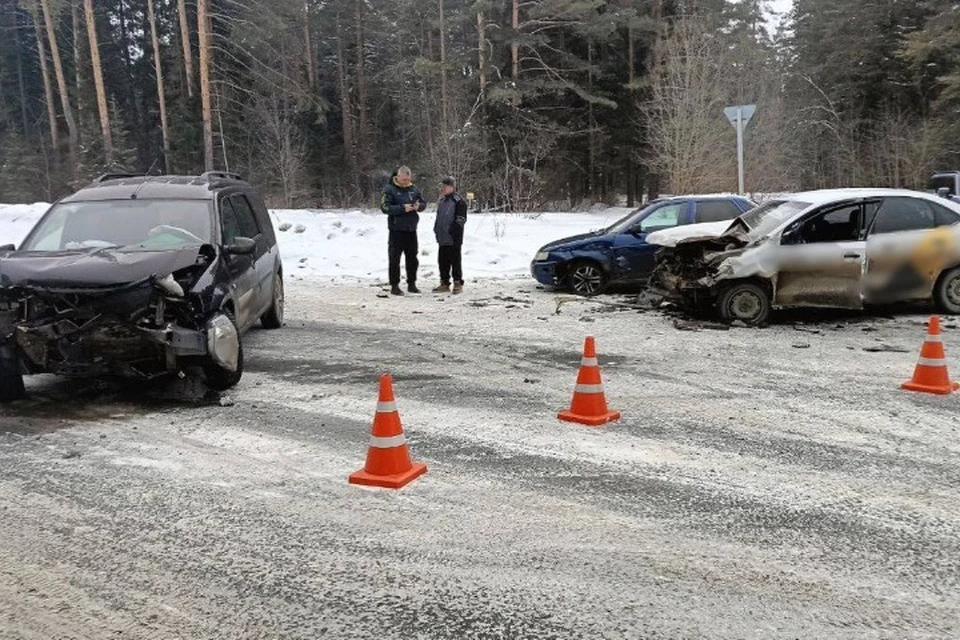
(223, 342)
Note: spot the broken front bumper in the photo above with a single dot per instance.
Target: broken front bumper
(135, 334)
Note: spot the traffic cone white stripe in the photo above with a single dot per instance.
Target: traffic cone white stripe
(387, 407)
(388, 443)
(932, 362)
(936, 338)
(589, 362)
(589, 388)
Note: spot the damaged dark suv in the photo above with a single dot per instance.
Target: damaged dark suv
(140, 277)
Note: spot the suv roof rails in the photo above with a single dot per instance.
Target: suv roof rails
(229, 175)
(116, 176)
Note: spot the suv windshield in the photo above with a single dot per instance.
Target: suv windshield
(770, 215)
(146, 224)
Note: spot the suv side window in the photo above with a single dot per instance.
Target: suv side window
(904, 214)
(245, 217)
(716, 211)
(263, 216)
(229, 224)
(839, 224)
(665, 217)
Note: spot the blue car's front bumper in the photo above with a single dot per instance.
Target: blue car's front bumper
(544, 272)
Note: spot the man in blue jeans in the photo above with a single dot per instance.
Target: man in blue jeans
(403, 201)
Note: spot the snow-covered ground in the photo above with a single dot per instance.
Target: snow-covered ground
(347, 245)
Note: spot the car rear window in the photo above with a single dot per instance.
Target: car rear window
(716, 211)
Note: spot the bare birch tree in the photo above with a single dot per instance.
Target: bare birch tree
(104, 112)
(203, 31)
(161, 94)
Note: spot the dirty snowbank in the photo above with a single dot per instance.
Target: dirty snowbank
(347, 245)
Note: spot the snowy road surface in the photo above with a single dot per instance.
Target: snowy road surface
(762, 484)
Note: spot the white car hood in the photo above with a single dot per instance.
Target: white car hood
(689, 233)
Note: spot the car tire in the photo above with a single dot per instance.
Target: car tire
(946, 294)
(273, 318)
(744, 302)
(11, 380)
(218, 378)
(586, 278)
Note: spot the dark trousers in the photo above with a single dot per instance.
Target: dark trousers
(451, 260)
(403, 243)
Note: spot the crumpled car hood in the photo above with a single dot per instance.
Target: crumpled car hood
(91, 268)
(691, 233)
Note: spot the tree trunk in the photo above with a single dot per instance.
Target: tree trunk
(444, 98)
(161, 95)
(345, 109)
(47, 90)
(77, 76)
(203, 33)
(308, 46)
(363, 135)
(21, 85)
(515, 46)
(98, 80)
(482, 49)
(592, 121)
(631, 58)
(185, 41)
(61, 83)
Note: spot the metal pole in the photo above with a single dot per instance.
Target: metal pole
(740, 151)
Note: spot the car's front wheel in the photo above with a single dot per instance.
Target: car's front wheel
(218, 376)
(273, 318)
(744, 302)
(946, 294)
(586, 278)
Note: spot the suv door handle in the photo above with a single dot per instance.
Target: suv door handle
(851, 256)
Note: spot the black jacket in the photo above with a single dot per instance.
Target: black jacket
(451, 219)
(392, 201)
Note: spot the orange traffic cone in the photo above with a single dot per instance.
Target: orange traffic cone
(931, 375)
(589, 405)
(388, 458)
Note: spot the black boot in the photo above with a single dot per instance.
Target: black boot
(412, 288)
(395, 290)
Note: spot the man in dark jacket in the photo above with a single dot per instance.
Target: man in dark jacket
(403, 201)
(451, 219)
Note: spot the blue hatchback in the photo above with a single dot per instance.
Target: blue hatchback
(619, 255)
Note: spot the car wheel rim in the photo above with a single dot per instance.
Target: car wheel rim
(746, 306)
(278, 297)
(952, 290)
(587, 280)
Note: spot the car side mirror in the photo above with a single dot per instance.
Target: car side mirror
(8, 247)
(944, 192)
(241, 247)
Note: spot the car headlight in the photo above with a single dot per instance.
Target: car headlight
(223, 342)
(542, 256)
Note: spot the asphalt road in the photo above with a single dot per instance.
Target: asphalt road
(769, 483)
